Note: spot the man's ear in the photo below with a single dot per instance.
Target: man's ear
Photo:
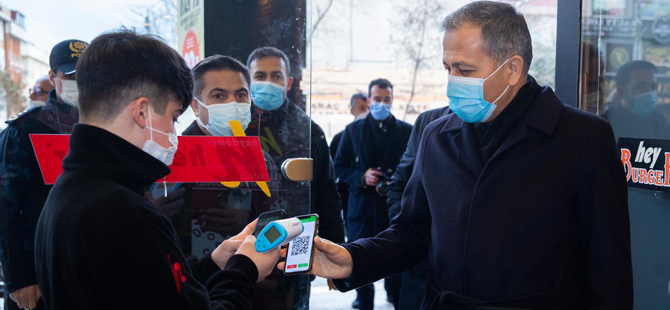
(367, 100)
(52, 77)
(140, 109)
(515, 68)
(196, 107)
(289, 84)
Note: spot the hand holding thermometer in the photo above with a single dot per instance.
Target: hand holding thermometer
(278, 233)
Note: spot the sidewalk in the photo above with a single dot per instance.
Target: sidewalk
(322, 299)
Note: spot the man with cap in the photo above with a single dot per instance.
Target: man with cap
(22, 189)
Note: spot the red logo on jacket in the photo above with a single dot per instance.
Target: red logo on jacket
(177, 272)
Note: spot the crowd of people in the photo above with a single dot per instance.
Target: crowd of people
(505, 199)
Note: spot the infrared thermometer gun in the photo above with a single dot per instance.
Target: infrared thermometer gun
(278, 233)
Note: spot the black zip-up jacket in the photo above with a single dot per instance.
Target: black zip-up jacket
(100, 244)
(22, 188)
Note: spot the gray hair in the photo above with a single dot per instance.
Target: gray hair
(504, 29)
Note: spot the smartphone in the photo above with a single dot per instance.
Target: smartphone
(266, 217)
(300, 251)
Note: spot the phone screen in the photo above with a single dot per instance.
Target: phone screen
(266, 218)
(299, 252)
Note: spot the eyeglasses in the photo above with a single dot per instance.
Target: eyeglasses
(37, 91)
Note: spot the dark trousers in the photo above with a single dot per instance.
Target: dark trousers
(392, 286)
(413, 288)
(12, 305)
(366, 297)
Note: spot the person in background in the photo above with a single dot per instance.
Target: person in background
(286, 131)
(100, 243)
(368, 154)
(633, 111)
(359, 109)
(22, 188)
(39, 94)
(413, 281)
(222, 94)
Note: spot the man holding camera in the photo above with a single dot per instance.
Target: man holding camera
(368, 153)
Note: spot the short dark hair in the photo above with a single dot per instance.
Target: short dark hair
(381, 83)
(216, 63)
(623, 74)
(504, 29)
(121, 66)
(357, 96)
(269, 51)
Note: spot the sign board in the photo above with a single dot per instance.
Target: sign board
(198, 159)
(191, 31)
(646, 162)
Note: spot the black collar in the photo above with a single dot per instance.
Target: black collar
(105, 154)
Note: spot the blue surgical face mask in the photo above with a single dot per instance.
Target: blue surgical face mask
(466, 98)
(221, 114)
(644, 104)
(379, 110)
(267, 96)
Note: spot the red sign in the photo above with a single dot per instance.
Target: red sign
(191, 50)
(291, 266)
(198, 159)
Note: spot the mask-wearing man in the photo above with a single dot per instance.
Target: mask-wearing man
(23, 191)
(634, 114)
(214, 212)
(359, 109)
(368, 154)
(516, 200)
(286, 132)
(39, 94)
(100, 243)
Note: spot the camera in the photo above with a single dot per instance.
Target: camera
(384, 179)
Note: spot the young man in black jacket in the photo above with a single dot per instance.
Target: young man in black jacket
(100, 243)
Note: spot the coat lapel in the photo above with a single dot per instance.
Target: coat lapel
(465, 143)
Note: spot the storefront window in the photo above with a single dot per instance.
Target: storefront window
(625, 78)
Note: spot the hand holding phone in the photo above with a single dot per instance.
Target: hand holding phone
(300, 251)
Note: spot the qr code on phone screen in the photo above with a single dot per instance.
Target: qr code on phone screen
(300, 245)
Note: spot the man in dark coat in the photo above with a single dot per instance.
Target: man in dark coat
(413, 281)
(22, 190)
(368, 154)
(516, 199)
(285, 132)
(359, 109)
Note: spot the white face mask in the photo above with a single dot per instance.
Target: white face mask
(69, 92)
(35, 103)
(361, 116)
(221, 114)
(154, 149)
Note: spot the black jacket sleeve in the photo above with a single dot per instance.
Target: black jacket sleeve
(16, 253)
(203, 268)
(151, 273)
(326, 201)
(403, 171)
(602, 214)
(405, 243)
